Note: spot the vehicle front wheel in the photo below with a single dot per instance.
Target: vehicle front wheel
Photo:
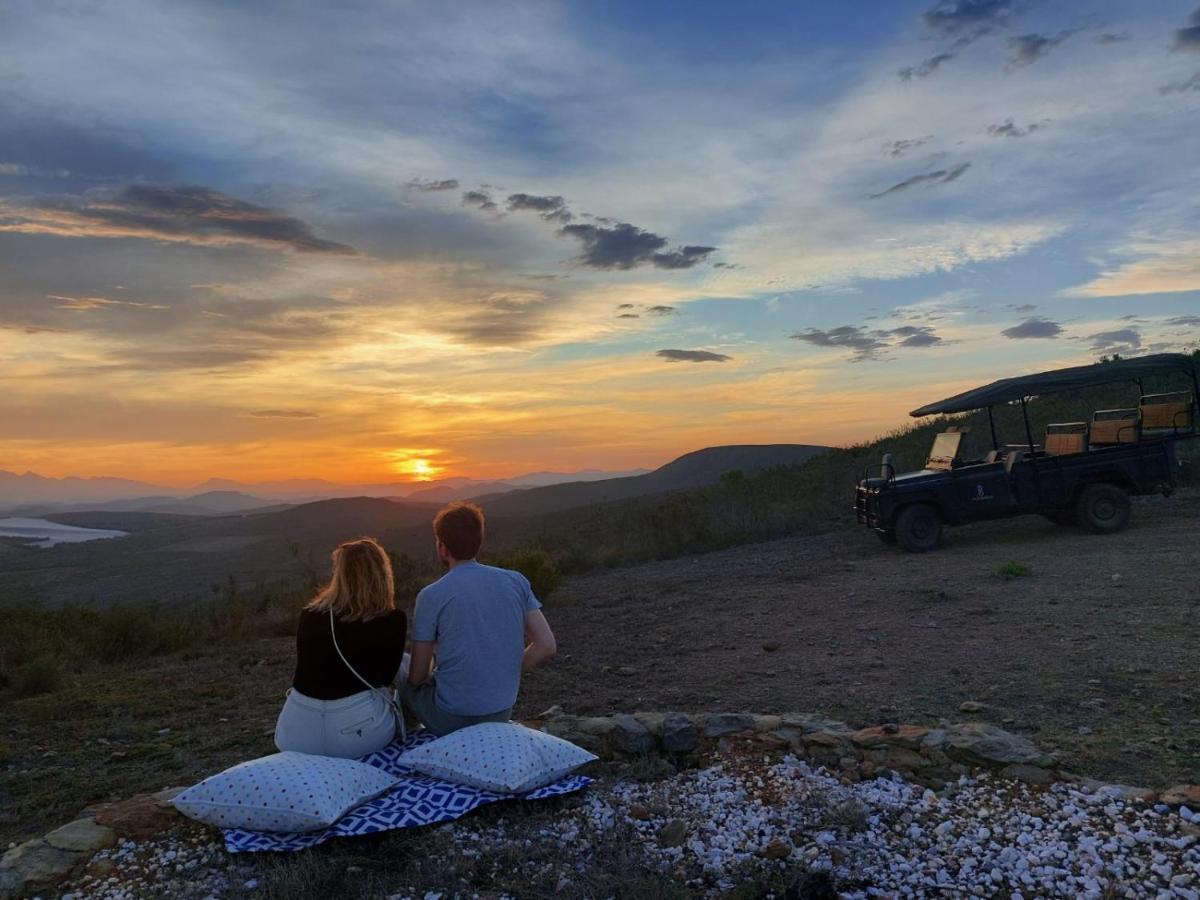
(919, 528)
(1102, 508)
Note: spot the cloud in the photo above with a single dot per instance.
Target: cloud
(970, 19)
(1188, 37)
(1026, 49)
(1121, 339)
(284, 414)
(1033, 328)
(480, 200)
(1182, 87)
(1022, 307)
(899, 148)
(926, 67)
(940, 176)
(624, 306)
(867, 343)
(1160, 267)
(552, 209)
(625, 246)
(662, 310)
(695, 356)
(85, 303)
(1008, 129)
(446, 184)
(628, 316)
(189, 215)
(1184, 320)
(1108, 38)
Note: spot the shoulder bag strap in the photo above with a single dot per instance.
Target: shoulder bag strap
(388, 696)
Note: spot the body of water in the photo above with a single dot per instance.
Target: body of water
(44, 533)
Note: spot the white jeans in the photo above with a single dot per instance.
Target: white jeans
(349, 728)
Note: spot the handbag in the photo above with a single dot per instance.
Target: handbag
(388, 697)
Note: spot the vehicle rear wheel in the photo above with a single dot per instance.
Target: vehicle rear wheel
(919, 528)
(1061, 516)
(888, 537)
(1102, 508)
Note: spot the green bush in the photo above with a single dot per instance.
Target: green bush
(1010, 570)
(535, 564)
(41, 675)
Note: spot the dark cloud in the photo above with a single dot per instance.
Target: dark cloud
(1182, 87)
(1008, 129)
(1184, 320)
(1026, 49)
(552, 209)
(724, 265)
(1107, 38)
(480, 200)
(865, 343)
(446, 184)
(899, 148)
(695, 356)
(625, 246)
(284, 414)
(1188, 37)
(628, 316)
(1121, 339)
(624, 306)
(940, 176)
(1033, 328)
(966, 19)
(662, 310)
(926, 67)
(190, 215)
(1022, 307)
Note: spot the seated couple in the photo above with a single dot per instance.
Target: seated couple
(476, 630)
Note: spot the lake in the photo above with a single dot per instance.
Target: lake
(44, 533)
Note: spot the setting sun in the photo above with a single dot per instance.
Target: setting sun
(415, 464)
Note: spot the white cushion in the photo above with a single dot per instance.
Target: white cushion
(497, 756)
(286, 791)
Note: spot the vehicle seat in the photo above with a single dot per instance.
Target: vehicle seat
(1114, 426)
(1011, 460)
(1163, 413)
(1066, 437)
(992, 456)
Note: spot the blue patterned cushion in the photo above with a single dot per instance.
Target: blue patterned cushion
(286, 792)
(498, 756)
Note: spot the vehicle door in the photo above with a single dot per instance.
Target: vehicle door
(981, 490)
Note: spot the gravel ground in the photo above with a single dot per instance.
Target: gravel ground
(753, 819)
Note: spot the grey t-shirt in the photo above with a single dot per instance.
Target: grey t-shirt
(476, 613)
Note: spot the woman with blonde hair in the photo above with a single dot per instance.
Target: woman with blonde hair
(349, 647)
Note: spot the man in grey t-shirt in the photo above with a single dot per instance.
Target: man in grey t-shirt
(483, 625)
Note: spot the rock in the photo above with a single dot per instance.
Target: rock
(909, 736)
(772, 646)
(568, 728)
(673, 834)
(630, 736)
(166, 795)
(727, 723)
(898, 759)
(640, 813)
(600, 726)
(651, 721)
(809, 722)
(551, 713)
(777, 849)
(1128, 793)
(1181, 795)
(934, 742)
(138, 817)
(980, 743)
(10, 883)
(625, 671)
(772, 741)
(1028, 774)
(82, 835)
(972, 706)
(679, 733)
(767, 723)
(35, 863)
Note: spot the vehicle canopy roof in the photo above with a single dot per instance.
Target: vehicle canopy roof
(1009, 389)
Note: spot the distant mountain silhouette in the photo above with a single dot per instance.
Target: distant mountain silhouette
(692, 470)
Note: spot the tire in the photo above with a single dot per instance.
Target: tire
(1102, 508)
(919, 528)
(888, 537)
(1061, 516)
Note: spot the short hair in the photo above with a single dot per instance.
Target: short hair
(460, 527)
(362, 586)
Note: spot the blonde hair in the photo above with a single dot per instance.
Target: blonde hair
(362, 586)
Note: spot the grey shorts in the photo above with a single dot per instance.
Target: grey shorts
(421, 701)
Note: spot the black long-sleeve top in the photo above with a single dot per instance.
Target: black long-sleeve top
(374, 647)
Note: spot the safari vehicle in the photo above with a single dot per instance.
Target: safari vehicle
(1082, 473)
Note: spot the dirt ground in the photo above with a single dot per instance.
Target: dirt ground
(1102, 668)
(1094, 652)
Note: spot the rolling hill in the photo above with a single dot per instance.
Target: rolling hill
(692, 470)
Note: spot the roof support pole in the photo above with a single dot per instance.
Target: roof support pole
(992, 426)
(1037, 478)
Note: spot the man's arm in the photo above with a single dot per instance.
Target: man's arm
(420, 666)
(540, 645)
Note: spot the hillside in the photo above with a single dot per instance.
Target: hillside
(692, 470)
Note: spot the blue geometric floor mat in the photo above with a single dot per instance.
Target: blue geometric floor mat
(417, 800)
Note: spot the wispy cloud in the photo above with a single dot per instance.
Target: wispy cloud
(1010, 130)
(1182, 87)
(868, 343)
(190, 215)
(1026, 49)
(625, 246)
(86, 303)
(1158, 267)
(480, 200)
(433, 185)
(284, 414)
(926, 67)
(940, 176)
(695, 356)
(1188, 37)
(1033, 328)
(551, 209)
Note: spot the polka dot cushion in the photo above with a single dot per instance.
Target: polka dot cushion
(286, 791)
(497, 756)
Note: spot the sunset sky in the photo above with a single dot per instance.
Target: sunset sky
(383, 240)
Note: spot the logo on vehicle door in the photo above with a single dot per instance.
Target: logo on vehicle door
(981, 494)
